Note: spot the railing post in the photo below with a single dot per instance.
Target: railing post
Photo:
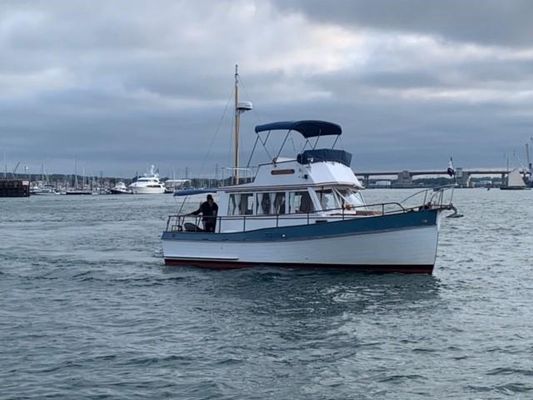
(244, 224)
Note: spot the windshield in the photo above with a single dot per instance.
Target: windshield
(350, 197)
(336, 198)
(328, 199)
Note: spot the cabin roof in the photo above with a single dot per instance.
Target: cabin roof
(249, 188)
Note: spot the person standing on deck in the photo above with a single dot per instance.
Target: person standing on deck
(209, 211)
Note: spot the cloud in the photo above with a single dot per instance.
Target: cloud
(120, 85)
(485, 22)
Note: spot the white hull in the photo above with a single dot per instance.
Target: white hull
(406, 248)
(147, 190)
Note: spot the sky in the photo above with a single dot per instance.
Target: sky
(114, 86)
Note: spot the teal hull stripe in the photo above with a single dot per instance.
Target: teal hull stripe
(355, 226)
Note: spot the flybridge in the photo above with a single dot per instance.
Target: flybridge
(308, 129)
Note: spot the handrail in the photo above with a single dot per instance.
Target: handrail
(437, 190)
(430, 201)
(176, 222)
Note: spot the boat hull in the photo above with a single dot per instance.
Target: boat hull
(404, 243)
(78, 193)
(120, 191)
(147, 190)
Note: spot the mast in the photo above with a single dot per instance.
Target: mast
(527, 157)
(236, 130)
(75, 174)
(240, 107)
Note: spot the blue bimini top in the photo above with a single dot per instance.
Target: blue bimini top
(307, 128)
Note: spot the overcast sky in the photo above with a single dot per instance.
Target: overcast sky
(119, 85)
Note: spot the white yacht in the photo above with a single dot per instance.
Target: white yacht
(120, 188)
(307, 211)
(149, 183)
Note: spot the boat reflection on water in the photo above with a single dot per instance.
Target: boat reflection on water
(315, 294)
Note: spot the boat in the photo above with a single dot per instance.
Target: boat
(79, 192)
(43, 186)
(43, 189)
(515, 181)
(173, 185)
(120, 188)
(307, 211)
(149, 183)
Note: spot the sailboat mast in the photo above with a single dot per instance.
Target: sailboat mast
(236, 130)
(75, 174)
(527, 157)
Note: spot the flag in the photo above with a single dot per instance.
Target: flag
(451, 170)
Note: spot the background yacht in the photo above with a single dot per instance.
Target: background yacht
(120, 188)
(149, 183)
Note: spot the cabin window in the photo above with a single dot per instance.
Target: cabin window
(263, 204)
(300, 202)
(279, 203)
(246, 204)
(328, 199)
(232, 205)
(241, 204)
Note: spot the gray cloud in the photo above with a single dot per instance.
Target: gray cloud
(493, 22)
(120, 85)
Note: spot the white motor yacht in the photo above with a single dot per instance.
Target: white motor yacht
(307, 211)
(149, 183)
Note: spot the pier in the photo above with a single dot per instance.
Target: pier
(14, 188)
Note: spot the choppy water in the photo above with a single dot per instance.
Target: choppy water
(88, 310)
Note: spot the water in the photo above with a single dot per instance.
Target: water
(88, 310)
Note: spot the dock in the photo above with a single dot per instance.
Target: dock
(14, 188)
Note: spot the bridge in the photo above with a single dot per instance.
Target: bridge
(405, 178)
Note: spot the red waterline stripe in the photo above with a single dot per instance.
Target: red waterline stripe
(404, 269)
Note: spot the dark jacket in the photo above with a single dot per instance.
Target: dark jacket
(207, 210)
